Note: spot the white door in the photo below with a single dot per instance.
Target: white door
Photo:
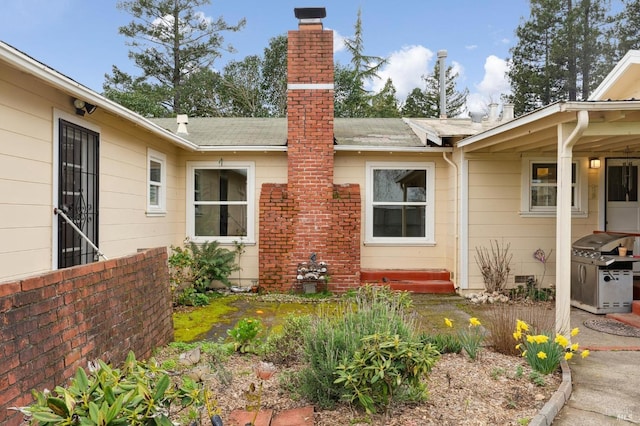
(622, 205)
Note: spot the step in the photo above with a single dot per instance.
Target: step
(302, 416)
(242, 417)
(424, 287)
(629, 319)
(635, 307)
(382, 275)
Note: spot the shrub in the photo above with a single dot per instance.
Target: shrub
(287, 347)
(443, 343)
(501, 317)
(495, 266)
(244, 334)
(382, 365)
(137, 394)
(335, 336)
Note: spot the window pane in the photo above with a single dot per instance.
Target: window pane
(220, 185)
(399, 185)
(154, 171)
(543, 196)
(221, 221)
(154, 195)
(621, 183)
(399, 221)
(544, 173)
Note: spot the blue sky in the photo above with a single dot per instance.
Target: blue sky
(80, 38)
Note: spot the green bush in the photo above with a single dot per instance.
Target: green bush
(336, 335)
(287, 346)
(245, 333)
(443, 343)
(137, 394)
(383, 365)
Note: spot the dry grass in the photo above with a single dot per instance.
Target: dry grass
(500, 321)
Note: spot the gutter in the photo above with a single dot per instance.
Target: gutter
(369, 148)
(26, 64)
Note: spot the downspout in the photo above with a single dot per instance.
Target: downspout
(455, 218)
(563, 223)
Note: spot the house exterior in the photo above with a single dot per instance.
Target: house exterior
(361, 195)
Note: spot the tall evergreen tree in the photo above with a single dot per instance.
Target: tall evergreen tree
(625, 32)
(561, 52)
(274, 76)
(385, 103)
(426, 103)
(351, 98)
(169, 40)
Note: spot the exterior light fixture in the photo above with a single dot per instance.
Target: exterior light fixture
(594, 163)
(82, 106)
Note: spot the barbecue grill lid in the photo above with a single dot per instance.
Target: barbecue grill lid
(601, 241)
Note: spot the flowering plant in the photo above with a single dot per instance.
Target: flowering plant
(544, 354)
(542, 257)
(470, 338)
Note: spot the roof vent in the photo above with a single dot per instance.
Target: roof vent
(493, 112)
(183, 120)
(507, 112)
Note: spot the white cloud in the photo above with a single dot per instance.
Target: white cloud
(493, 85)
(405, 67)
(471, 47)
(338, 42)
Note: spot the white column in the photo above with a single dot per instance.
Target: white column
(567, 137)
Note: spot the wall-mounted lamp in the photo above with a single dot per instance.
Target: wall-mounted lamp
(82, 106)
(594, 163)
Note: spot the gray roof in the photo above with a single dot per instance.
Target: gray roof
(223, 131)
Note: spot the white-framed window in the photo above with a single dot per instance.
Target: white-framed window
(156, 182)
(400, 203)
(220, 201)
(540, 187)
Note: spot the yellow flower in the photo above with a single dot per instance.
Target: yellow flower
(521, 325)
(542, 355)
(568, 355)
(530, 338)
(517, 335)
(448, 322)
(524, 353)
(585, 353)
(575, 331)
(518, 346)
(574, 347)
(561, 340)
(474, 321)
(541, 338)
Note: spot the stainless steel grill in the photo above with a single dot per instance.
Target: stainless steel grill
(601, 279)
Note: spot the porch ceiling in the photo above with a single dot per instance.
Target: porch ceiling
(613, 130)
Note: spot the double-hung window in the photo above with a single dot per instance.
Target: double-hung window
(540, 187)
(156, 182)
(220, 202)
(400, 203)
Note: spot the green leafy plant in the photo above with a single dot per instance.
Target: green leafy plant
(336, 333)
(537, 378)
(470, 338)
(543, 352)
(381, 366)
(137, 394)
(287, 346)
(244, 334)
(211, 262)
(443, 343)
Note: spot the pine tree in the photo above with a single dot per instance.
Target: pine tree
(170, 40)
(385, 103)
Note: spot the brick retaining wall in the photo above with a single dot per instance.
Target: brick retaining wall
(51, 324)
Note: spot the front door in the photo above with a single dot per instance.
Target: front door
(78, 155)
(622, 205)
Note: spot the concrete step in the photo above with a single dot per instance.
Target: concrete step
(425, 281)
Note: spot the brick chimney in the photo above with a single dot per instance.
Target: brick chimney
(314, 216)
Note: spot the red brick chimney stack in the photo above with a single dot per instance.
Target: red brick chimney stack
(309, 214)
(310, 132)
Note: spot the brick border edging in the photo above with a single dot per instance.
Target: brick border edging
(550, 410)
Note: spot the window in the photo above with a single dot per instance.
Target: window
(400, 203)
(540, 187)
(220, 201)
(156, 182)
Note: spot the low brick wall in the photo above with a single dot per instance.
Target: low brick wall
(51, 324)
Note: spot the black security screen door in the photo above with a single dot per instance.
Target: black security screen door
(77, 194)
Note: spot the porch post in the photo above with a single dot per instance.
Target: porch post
(566, 142)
